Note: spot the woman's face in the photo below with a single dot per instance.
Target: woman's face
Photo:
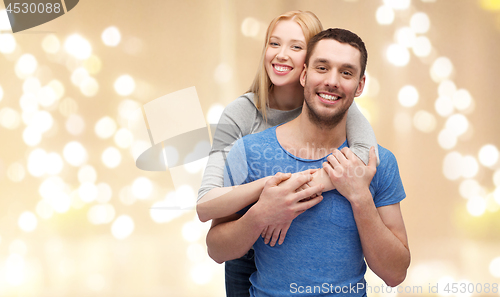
(286, 53)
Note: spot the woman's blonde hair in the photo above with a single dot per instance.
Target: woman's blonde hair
(262, 85)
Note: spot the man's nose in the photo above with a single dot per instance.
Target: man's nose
(332, 79)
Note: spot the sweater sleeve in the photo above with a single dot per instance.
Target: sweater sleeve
(235, 122)
(360, 134)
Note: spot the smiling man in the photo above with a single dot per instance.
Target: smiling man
(326, 246)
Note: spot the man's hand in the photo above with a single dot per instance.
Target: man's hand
(281, 201)
(349, 174)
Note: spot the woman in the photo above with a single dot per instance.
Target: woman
(276, 96)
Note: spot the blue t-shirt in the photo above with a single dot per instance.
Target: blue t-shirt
(322, 252)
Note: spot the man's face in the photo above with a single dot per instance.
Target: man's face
(331, 81)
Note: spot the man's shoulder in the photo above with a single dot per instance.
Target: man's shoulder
(387, 158)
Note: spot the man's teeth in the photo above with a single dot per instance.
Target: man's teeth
(328, 97)
(282, 68)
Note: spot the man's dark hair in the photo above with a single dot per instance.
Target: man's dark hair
(342, 36)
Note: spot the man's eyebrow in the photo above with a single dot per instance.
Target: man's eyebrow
(321, 60)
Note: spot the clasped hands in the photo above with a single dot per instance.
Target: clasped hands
(285, 196)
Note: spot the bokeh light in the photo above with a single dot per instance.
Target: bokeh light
(44, 210)
(398, 4)
(88, 192)
(42, 121)
(9, 118)
(447, 139)
(166, 210)
(469, 188)
(32, 136)
(447, 88)
(124, 85)
(55, 163)
(31, 85)
(192, 231)
(476, 206)
(27, 221)
(452, 165)
(398, 55)
(15, 269)
(46, 96)
(422, 46)
(424, 121)
(250, 27)
(457, 124)
(75, 124)
(123, 138)
(16, 172)
(488, 155)
(79, 75)
(51, 44)
(492, 5)
(104, 193)
(441, 69)
(26, 66)
(87, 174)
(7, 43)
(101, 214)
(111, 157)
(111, 36)
(420, 23)
(89, 86)
(122, 227)
(495, 267)
(406, 37)
(105, 127)
(142, 187)
(223, 73)
(470, 166)
(402, 122)
(74, 153)
(384, 15)
(36, 162)
(462, 100)
(18, 247)
(214, 113)
(496, 178)
(78, 47)
(408, 96)
(444, 106)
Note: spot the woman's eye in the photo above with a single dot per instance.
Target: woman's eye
(296, 47)
(273, 44)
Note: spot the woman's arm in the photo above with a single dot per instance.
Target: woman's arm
(360, 134)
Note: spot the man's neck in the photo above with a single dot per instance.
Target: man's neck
(308, 140)
(286, 97)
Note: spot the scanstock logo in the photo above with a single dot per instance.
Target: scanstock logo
(172, 135)
(25, 14)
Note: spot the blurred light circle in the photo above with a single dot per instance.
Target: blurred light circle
(385, 15)
(469, 188)
(54, 163)
(462, 99)
(61, 202)
(16, 172)
(422, 46)
(126, 195)
(447, 139)
(424, 121)
(192, 231)
(476, 206)
(402, 122)
(18, 247)
(444, 106)
(111, 36)
(75, 124)
(250, 27)
(50, 187)
(452, 165)
(44, 210)
(441, 69)
(51, 44)
(142, 187)
(138, 147)
(123, 138)
(46, 96)
(166, 210)
(68, 106)
(127, 107)
(488, 155)
(492, 5)
(496, 178)
(408, 96)
(79, 75)
(420, 23)
(31, 85)
(223, 73)
(26, 65)
(101, 214)
(186, 197)
(447, 88)
(87, 192)
(496, 195)
(78, 47)
(89, 87)
(196, 252)
(27, 221)
(36, 162)
(7, 43)
(202, 273)
(87, 174)
(105, 127)
(28, 102)
(104, 193)
(470, 167)
(398, 55)
(398, 4)
(495, 267)
(457, 123)
(96, 282)
(9, 118)
(122, 227)
(14, 270)
(405, 37)
(74, 153)
(32, 136)
(28, 116)
(124, 85)
(42, 121)
(214, 113)
(93, 65)
(111, 157)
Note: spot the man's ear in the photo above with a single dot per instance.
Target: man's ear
(361, 86)
(303, 76)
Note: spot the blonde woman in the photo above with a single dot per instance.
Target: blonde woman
(275, 96)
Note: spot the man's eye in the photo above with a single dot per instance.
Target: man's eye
(347, 73)
(321, 68)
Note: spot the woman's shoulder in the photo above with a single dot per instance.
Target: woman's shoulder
(242, 104)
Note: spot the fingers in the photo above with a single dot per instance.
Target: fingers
(284, 230)
(309, 192)
(298, 180)
(278, 178)
(276, 235)
(332, 159)
(310, 203)
(269, 234)
(372, 162)
(263, 235)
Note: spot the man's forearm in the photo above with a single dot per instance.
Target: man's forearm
(230, 238)
(385, 251)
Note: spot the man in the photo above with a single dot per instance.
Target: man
(330, 236)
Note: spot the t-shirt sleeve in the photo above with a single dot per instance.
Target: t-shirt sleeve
(235, 122)
(388, 184)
